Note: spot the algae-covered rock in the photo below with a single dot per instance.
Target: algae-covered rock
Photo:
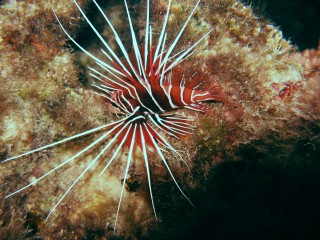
(267, 96)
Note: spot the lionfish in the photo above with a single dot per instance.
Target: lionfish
(142, 87)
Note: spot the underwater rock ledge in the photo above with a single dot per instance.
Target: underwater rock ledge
(270, 102)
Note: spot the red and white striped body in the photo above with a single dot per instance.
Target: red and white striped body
(161, 93)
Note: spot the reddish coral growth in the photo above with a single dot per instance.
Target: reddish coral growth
(309, 59)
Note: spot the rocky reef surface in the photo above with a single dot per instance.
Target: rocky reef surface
(269, 111)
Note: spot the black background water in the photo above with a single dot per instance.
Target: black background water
(298, 19)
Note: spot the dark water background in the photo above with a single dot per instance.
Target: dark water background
(299, 20)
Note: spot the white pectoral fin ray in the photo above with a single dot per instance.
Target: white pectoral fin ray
(78, 178)
(168, 146)
(121, 143)
(69, 138)
(101, 138)
(126, 172)
(166, 164)
(145, 155)
(61, 141)
(105, 135)
(90, 165)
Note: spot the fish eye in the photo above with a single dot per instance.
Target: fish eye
(114, 105)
